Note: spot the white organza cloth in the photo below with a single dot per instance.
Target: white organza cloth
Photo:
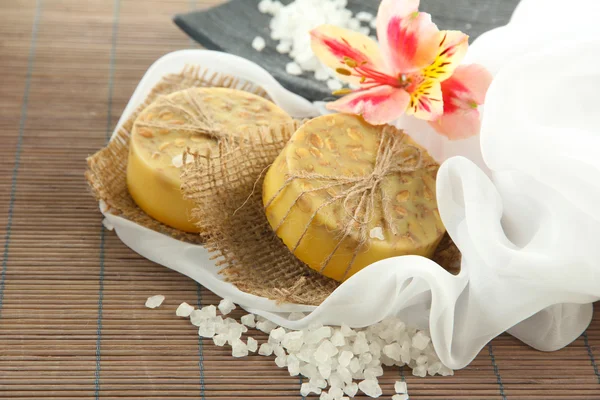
(521, 201)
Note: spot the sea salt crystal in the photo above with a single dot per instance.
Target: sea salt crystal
(283, 47)
(347, 331)
(393, 351)
(400, 387)
(322, 74)
(421, 360)
(293, 69)
(325, 396)
(239, 348)
(307, 389)
(309, 370)
(327, 347)
(354, 24)
(293, 341)
(370, 387)
(335, 380)
(360, 344)
(420, 341)
(365, 358)
(265, 326)
(319, 334)
(376, 233)
(345, 374)
(336, 393)
(296, 316)
(220, 340)
(155, 301)
(337, 339)
(258, 43)
(333, 84)
(373, 372)
(420, 370)
(248, 320)
(345, 357)
(265, 349)
(354, 365)
(445, 371)
(351, 389)
(325, 370)
(278, 351)
(318, 382)
(207, 329)
(364, 16)
(280, 361)
(375, 349)
(321, 356)
(197, 317)
(293, 365)
(400, 397)
(405, 353)
(184, 310)
(434, 368)
(276, 335)
(265, 6)
(252, 345)
(226, 306)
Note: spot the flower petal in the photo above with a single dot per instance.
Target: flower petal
(452, 49)
(409, 40)
(426, 100)
(469, 83)
(333, 45)
(462, 93)
(378, 105)
(461, 124)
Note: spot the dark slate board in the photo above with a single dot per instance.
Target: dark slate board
(232, 26)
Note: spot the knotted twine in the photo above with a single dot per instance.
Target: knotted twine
(197, 119)
(359, 194)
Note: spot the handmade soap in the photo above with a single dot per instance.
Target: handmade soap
(193, 118)
(344, 194)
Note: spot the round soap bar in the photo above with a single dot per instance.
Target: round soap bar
(344, 194)
(165, 128)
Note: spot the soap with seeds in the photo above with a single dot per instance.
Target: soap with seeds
(190, 118)
(344, 194)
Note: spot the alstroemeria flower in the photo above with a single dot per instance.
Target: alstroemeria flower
(406, 75)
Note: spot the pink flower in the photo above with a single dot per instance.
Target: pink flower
(412, 73)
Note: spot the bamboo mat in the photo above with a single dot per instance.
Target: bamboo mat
(72, 319)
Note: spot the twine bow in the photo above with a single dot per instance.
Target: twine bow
(198, 121)
(359, 194)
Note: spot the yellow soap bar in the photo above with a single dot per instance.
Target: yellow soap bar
(181, 120)
(344, 194)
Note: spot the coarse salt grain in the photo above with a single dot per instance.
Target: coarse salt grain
(155, 301)
(364, 16)
(265, 349)
(400, 397)
(252, 345)
(293, 69)
(226, 306)
(400, 387)
(334, 84)
(248, 320)
(184, 310)
(370, 387)
(258, 43)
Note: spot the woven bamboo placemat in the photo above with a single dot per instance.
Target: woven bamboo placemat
(72, 319)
